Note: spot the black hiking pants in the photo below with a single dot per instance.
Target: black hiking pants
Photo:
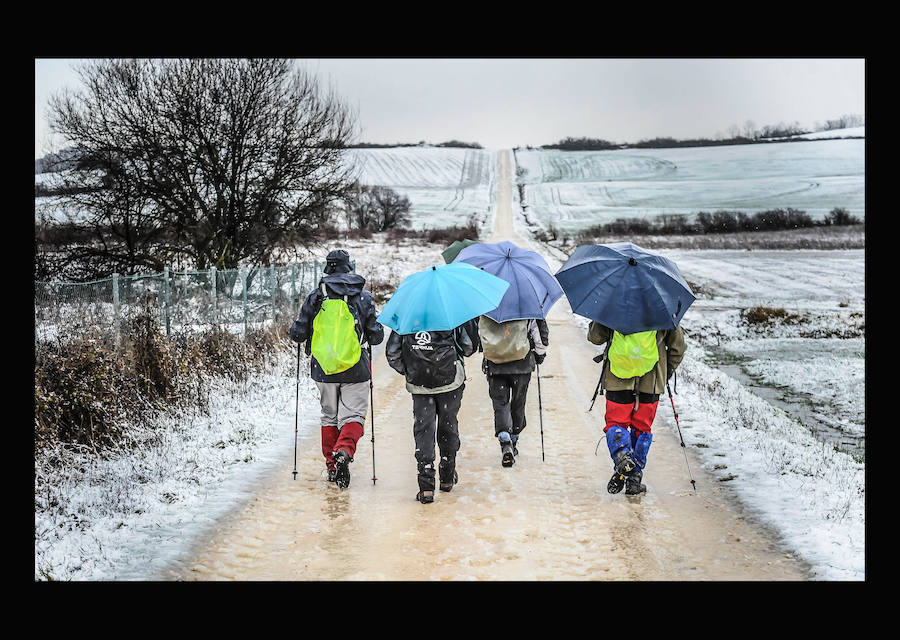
(434, 420)
(508, 392)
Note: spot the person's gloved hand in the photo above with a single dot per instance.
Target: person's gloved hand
(295, 331)
(539, 358)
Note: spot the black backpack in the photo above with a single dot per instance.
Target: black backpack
(430, 358)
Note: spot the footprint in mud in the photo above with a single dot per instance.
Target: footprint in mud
(336, 505)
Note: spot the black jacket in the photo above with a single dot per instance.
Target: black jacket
(363, 308)
(465, 343)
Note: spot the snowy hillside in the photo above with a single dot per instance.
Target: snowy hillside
(444, 185)
(576, 189)
(572, 190)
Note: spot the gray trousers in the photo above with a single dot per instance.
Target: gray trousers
(434, 419)
(508, 392)
(343, 402)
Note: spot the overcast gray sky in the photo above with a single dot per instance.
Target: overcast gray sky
(502, 103)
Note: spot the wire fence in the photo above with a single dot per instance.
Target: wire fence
(233, 299)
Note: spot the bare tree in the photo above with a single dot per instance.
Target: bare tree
(376, 208)
(750, 131)
(208, 162)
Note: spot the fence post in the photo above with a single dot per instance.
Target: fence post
(274, 286)
(212, 273)
(166, 297)
(115, 292)
(243, 276)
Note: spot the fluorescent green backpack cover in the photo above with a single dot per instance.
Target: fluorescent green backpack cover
(335, 343)
(632, 355)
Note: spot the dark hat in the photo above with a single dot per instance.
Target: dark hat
(337, 261)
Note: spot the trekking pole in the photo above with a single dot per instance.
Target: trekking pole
(597, 359)
(372, 408)
(540, 410)
(296, 410)
(683, 449)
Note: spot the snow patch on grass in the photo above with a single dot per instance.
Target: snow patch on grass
(811, 493)
(126, 514)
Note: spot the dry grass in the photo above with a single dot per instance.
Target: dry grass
(89, 388)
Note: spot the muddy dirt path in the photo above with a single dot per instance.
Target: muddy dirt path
(549, 519)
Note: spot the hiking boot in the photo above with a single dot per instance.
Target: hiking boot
(448, 486)
(342, 468)
(447, 473)
(509, 458)
(624, 462)
(515, 443)
(633, 486)
(506, 448)
(425, 497)
(616, 483)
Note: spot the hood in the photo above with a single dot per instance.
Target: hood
(345, 284)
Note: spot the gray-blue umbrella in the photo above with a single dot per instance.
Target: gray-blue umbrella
(625, 287)
(532, 287)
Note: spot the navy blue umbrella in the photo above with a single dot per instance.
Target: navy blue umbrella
(532, 290)
(624, 287)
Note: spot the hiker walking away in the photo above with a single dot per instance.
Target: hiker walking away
(511, 350)
(334, 322)
(432, 363)
(636, 368)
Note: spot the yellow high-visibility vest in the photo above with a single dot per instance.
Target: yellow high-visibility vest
(632, 355)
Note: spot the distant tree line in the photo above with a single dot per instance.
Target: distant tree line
(582, 144)
(748, 134)
(720, 222)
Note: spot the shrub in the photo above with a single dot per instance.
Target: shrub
(88, 389)
(80, 392)
(439, 235)
(765, 315)
(840, 216)
(781, 219)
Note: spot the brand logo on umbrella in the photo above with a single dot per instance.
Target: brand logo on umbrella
(423, 337)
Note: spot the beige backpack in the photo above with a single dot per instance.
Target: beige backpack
(504, 342)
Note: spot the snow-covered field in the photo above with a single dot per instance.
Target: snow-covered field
(445, 185)
(575, 189)
(126, 516)
(785, 421)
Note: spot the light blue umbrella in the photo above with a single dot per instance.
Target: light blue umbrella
(442, 298)
(533, 289)
(625, 287)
